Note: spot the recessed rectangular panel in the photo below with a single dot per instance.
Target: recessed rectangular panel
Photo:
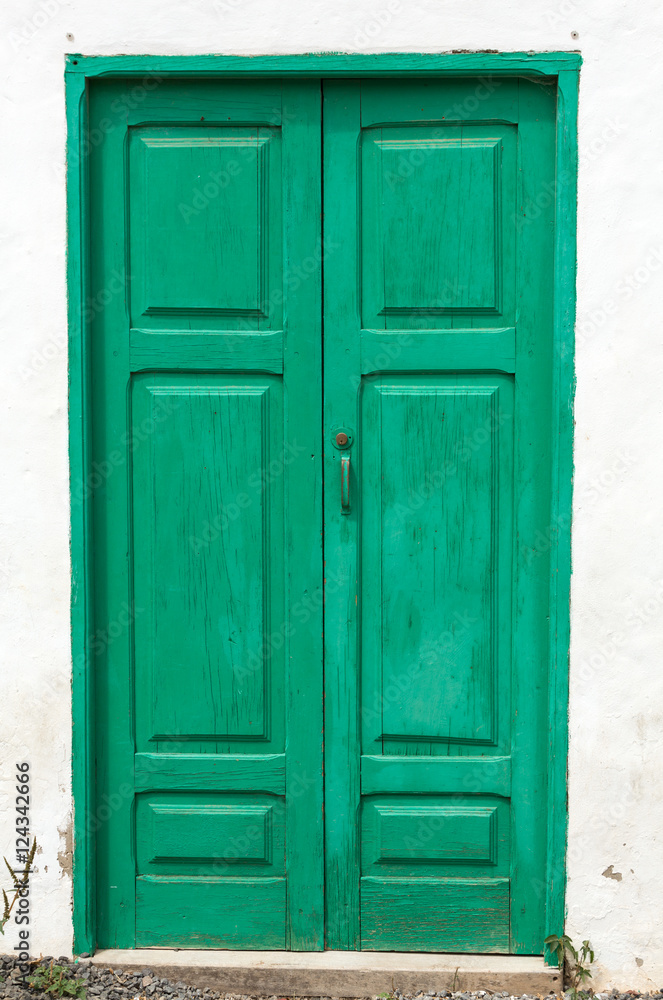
(203, 833)
(424, 836)
(437, 487)
(436, 833)
(460, 915)
(210, 913)
(208, 552)
(454, 238)
(205, 224)
(433, 238)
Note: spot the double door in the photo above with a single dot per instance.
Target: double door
(321, 322)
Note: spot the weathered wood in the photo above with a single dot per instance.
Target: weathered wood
(448, 65)
(207, 352)
(82, 572)
(303, 622)
(410, 836)
(563, 380)
(207, 512)
(415, 774)
(428, 914)
(438, 345)
(332, 64)
(204, 913)
(533, 512)
(233, 772)
(426, 201)
(208, 833)
(107, 488)
(341, 406)
(417, 350)
(207, 570)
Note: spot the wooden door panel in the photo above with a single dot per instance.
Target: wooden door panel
(415, 835)
(205, 200)
(210, 913)
(438, 242)
(193, 833)
(435, 668)
(436, 492)
(438, 332)
(222, 851)
(208, 558)
(208, 256)
(420, 914)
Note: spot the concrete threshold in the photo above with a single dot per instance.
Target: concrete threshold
(337, 973)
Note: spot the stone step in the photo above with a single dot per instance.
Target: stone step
(337, 973)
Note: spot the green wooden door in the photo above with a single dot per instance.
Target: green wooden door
(210, 422)
(206, 314)
(437, 352)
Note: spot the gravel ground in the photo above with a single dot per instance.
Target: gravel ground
(104, 984)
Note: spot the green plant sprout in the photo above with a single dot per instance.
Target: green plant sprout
(18, 885)
(54, 980)
(573, 964)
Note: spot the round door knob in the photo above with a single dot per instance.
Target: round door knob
(341, 439)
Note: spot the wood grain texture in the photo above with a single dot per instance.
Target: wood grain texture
(435, 836)
(427, 209)
(419, 773)
(380, 351)
(341, 406)
(416, 350)
(208, 512)
(428, 914)
(436, 548)
(203, 913)
(302, 201)
(533, 510)
(82, 571)
(210, 195)
(447, 64)
(207, 577)
(563, 379)
(443, 194)
(243, 772)
(209, 834)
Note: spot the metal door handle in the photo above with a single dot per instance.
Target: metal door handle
(345, 484)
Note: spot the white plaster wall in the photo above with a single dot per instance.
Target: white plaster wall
(616, 752)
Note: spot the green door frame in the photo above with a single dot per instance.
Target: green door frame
(560, 68)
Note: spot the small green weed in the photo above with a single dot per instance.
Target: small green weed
(55, 981)
(573, 964)
(19, 885)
